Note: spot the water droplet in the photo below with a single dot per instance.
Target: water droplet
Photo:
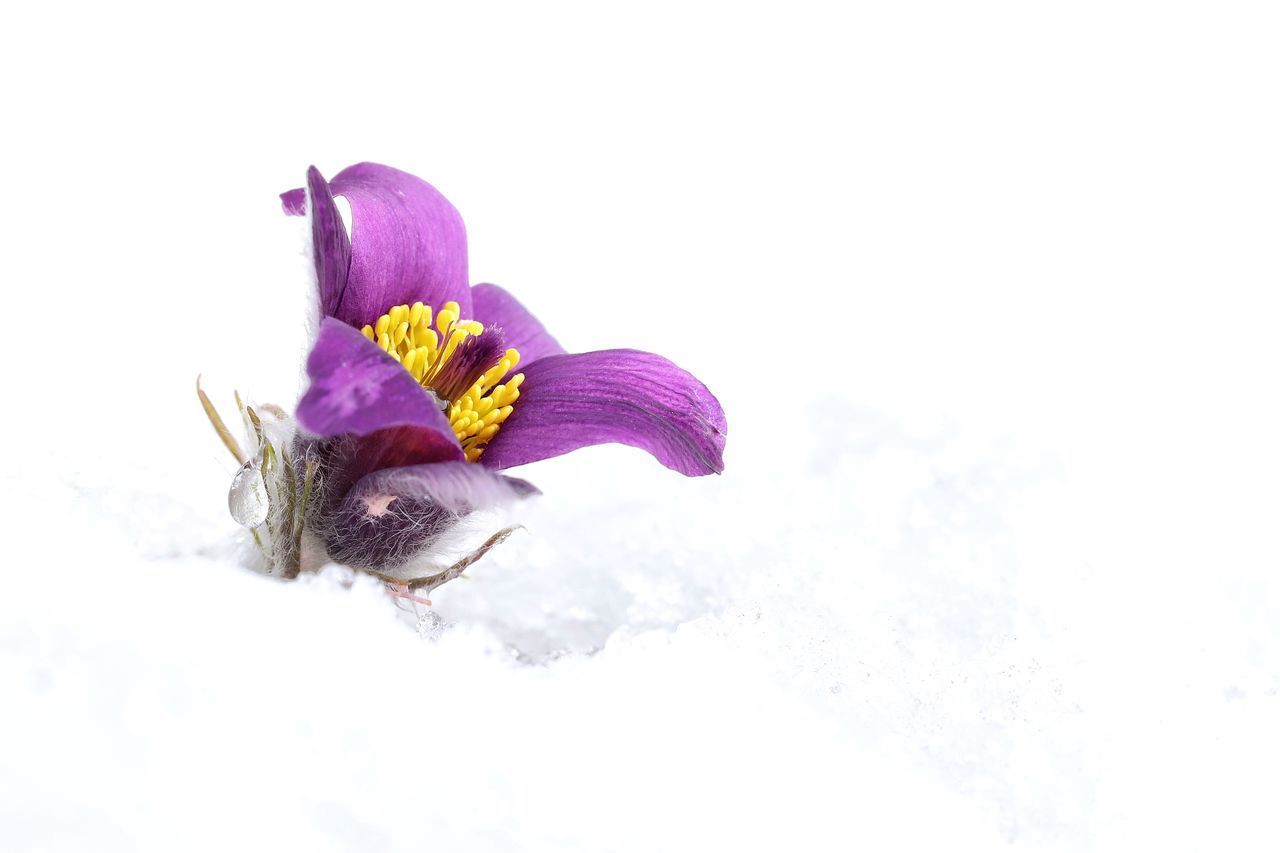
(430, 625)
(248, 498)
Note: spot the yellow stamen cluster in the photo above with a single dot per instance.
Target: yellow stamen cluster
(406, 333)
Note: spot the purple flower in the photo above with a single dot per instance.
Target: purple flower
(415, 404)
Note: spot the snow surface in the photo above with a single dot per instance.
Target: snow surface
(992, 564)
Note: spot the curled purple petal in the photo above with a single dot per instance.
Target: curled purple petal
(391, 515)
(624, 396)
(330, 245)
(408, 243)
(492, 305)
(357, 389)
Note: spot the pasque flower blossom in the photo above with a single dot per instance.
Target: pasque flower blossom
(423, 388)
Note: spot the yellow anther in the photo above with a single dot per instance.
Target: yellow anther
(445, 319)
(405, 333)
(505, 395)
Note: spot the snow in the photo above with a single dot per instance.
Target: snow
(991, 565)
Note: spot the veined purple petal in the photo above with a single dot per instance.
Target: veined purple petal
(357, 389)
(391, 515)
(624, 396)
(408, 243)
(492, 305)
(330, 245)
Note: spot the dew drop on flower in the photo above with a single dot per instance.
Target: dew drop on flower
(248, 498)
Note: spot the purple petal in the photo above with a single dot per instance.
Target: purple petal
(624, 396)
(357, 389)
(492, 305)
(294, 202)
(408, 243)
(389, 516)
(330, 245)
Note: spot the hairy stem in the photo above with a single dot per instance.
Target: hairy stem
(430, 582)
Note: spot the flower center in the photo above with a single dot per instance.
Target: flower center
(458, 361)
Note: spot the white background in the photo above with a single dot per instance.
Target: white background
(982, 288)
